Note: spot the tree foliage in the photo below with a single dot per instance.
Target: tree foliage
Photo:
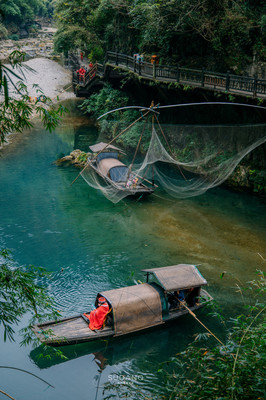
(222, 35)
(18, 12)
(21, 292)
(16, 113)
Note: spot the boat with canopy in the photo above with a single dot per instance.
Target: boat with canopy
(175, 291)
(183, 160)
(105, 162)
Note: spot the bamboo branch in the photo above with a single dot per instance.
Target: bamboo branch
(6, 394)
(241, 340)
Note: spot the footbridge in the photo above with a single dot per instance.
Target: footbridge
(116, 64)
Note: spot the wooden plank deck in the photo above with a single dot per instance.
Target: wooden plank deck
(72, 330)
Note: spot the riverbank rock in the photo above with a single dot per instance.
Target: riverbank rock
(39, 44)
(77, 158)
(248, 179)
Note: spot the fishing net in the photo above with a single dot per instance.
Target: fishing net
(184, 161)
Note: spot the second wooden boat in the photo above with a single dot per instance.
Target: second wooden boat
(134, 308)
(105, 162)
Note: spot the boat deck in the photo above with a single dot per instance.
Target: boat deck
(69, 330)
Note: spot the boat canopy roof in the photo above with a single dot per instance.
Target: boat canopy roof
(177, 277)
(100, 146)
(118, 170)
(134, 307)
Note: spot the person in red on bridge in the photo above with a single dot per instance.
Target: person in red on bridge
(81, 74)
(97, 316)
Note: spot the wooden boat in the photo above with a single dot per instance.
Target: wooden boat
(134, 308)
(105, 162)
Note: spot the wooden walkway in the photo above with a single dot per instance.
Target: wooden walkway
(227, 83)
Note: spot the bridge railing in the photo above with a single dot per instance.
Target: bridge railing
(195, 77)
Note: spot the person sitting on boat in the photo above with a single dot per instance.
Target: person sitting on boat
(130, 180)
(192, 297)
(135, 181)
(175, 299)
(97, 317)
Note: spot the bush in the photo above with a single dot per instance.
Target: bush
(14, 37)
(3, 32)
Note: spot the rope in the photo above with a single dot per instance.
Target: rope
(180, 170)
(133, 160)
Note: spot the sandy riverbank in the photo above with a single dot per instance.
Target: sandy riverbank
(51, 77)
(54, 80)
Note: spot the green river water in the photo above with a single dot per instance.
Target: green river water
(90, 244)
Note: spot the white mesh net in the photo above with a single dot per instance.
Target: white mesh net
(184, 161)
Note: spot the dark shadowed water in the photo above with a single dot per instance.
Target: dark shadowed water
(90, 244)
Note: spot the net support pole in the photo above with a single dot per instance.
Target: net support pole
(89, 163)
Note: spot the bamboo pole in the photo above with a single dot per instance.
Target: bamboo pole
(89, 163)
(194, 316)
(141, 177)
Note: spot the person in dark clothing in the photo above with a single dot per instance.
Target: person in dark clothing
(192, 297)
(175, 298)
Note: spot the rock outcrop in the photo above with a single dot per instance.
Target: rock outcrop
(77, 158)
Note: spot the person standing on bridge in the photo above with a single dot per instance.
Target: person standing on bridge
(91, 71)
(81, 73)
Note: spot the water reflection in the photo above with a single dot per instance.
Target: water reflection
(134, 357)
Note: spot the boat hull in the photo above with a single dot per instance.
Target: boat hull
(139, 190)
(75, 329)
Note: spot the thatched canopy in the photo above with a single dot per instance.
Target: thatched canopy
(118, 170)
(134, 307)
(178, 277)
(100, 146)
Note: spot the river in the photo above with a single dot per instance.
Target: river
(90, 244)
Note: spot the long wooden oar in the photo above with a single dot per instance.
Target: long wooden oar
(194, 316)
(89, 163)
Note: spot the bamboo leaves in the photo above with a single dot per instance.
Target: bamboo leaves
(17, 110)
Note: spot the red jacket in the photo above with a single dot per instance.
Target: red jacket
(97, 316)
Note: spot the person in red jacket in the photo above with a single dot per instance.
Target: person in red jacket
(81, 73)
(97, 316)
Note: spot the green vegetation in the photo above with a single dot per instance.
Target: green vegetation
(21, 292)
(201, 33)
(258, 178)
(14, 13)
(16, 114)
(233, 371)
(108, 99)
